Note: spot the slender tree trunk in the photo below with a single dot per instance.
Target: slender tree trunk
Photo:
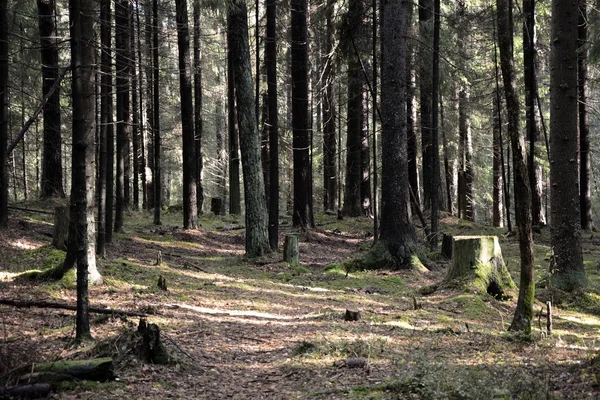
(497, 209)
(271, 62)
(122, 18)
(190, 163)
(425, 83)
(435, 142)
(81, 13)
(156, 115)
(397, 233)
(136, 132)
(302, 208)
(448, 173)
(524, 311)
(329, 117)
(569, 272)
(374, 119)
(149, 107)
(585, 186)
(52, 156)
(198, 124)
(3, 112)
(411, 131)
(257, 237)
(235, 206)
(24, 140)
(142, 132)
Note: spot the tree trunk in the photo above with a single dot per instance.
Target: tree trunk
(425, 84)
(190, 211)
(497, 208)
(52, 156)
(235, 205)
(4, 116)
(198, 123)
(569, 272)
(302, 208)
(271, 63)
(397, 233)
(142, 132)
(465, 183)
(448, 171)
(435, 141)
(135, 126)
(122, 18)
(157, 183)
(524, 311)
(585, 171)
(81, 16)
(411, 131)
(257, 237)
(149, 107)
(329, 117)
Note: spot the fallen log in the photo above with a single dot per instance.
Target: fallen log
(98, 369)
(62, 306)
(29, 391)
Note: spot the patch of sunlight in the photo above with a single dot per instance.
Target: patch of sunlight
(400, 324)
(6, 275)
(24, 244)
(586, 320)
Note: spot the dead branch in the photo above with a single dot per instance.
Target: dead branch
(46, 304)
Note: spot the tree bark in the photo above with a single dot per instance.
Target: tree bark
(585, 163)
(257, 237)
(3, 112)
(435, 141)
(198, 123)
(569, 272)
(411, 129)
(425, 84)
(302, 207)
(157, 183)
(329, 117)
(135, 112)
(190, 211)
(52, 155)
(271, 62)
(524, 312)
(235, 205)
(497, 204)
(397, 233)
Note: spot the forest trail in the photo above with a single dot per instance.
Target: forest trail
(262, 329)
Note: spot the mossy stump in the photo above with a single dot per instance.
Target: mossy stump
(477, 264)
(291, 252)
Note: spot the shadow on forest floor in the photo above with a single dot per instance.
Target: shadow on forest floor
(264, 329)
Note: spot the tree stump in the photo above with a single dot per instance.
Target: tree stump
(151, 349)
(477, 264)
(162, 283)
(291, 250)
(60, 235)
(352, 315)
(447, 247)
(216, 205)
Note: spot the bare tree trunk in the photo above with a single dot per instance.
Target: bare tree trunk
(411, 131)
(425, 83)
(136, 132)
(3, 112)
(585, 186)
(157, 183)
(149, 107)
(497, 180)
(52, 156)
(435, 141)
(330, 182)
(271, 61)
(190, 211)
(198, 124)
(235, 206)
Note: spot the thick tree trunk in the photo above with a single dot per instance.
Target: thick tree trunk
(524, 311)
(122, 18)
(569, 272)
(190, 211)
(329, 117)
(425, 84)
(257, 237)
(3, 112)
(271, 63)
(397, 233)
(302, 207)
(198, 123)
(52, 156)
(585, 163)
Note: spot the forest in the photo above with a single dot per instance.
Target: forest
(299, 199)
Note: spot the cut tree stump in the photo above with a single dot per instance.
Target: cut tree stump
(291, 250)
(477, 264)
(151, 350)
(352, 315)
(60, 233)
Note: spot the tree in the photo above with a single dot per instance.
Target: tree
(51, 184)
(585, 181)
(302, 207)
(271, 61)
(357, 194)
(157, 184)
(435, 142)
(122, 20)
(105, 170)
(3, 112)
(235, 204)
(524, 311)
(81, 15)
(411, 131)
(257, 238)
(198, 123)
(425, 84)
(397, 233)
(190, 211)
(569, 273)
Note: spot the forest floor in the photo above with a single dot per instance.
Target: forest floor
(261, 329)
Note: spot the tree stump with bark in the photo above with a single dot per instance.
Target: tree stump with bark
(291, 250)
(216, 205)
(352, 315)
(60, 233)
(477, 264)
(151, 348)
